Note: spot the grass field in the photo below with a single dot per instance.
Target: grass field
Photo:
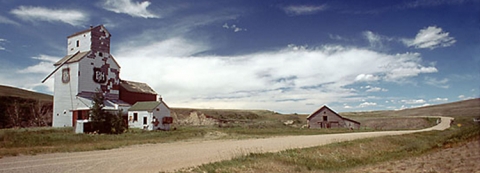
(32, 141)
(246, 124)
(344, 156)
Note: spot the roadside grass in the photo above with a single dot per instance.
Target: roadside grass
(31, 141)
(48, 140)
(340, 157)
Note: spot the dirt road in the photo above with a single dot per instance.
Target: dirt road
(172, 156)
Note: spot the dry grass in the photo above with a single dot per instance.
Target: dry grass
(16, 92)
(343, 156)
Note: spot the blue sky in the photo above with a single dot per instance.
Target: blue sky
(285, 56)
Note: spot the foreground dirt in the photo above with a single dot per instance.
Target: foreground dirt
(174, 156)
(461, 158)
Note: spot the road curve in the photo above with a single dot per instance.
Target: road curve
(173, 156)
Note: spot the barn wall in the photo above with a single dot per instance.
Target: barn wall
(139, 123)
(351, 124)
(132, 98)
(163, 112)
(317, 118)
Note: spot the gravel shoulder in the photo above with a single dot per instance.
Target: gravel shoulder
(177, 155)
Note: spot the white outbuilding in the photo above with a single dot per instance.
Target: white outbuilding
(150, 115)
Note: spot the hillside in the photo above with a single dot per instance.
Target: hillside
(16, 92)
(379, 120)
(22, 108)
(461, 108)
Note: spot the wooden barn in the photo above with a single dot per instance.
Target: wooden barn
(150, 115)
(327, 118)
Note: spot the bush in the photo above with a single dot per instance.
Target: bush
(103, 121)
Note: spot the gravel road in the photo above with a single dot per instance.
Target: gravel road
(177, 155)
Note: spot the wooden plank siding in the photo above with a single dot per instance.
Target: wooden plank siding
(327, 118)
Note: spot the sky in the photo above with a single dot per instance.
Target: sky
(284, 56)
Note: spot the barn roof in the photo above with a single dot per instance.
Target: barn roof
(72, 58)
(110, 104)
(77, 57)
(145, 106)
(326, 107)
(137, 87)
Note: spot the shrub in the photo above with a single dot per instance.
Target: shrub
(104, 121)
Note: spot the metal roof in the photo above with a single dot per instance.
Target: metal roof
(137, 87)
(145, 106)
(76, 57)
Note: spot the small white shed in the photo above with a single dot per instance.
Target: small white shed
(150, 115)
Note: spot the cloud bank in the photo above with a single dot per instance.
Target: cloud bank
(280, 80)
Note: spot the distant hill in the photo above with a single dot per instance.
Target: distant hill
(22, 108)
(16, 92)
(454, 109)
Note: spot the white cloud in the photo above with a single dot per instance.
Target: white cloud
(417, 106)
(295, 10)
(431, 37)
(463, 97)
(29, 77)
(374, 89)
(400, 68)
(258, 80)
(438, 99)
(235, 28)
(69, 16)
(2, 42)
(376, 40)
(45, 65)
(366, 77)
(134, 9)
(438, 83)
(338, 37)
(367, 104)
(7, 21)
(414, 101)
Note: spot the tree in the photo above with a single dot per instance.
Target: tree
(104, 121)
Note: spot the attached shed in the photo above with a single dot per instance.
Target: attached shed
(327, 118)
(150, 115)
